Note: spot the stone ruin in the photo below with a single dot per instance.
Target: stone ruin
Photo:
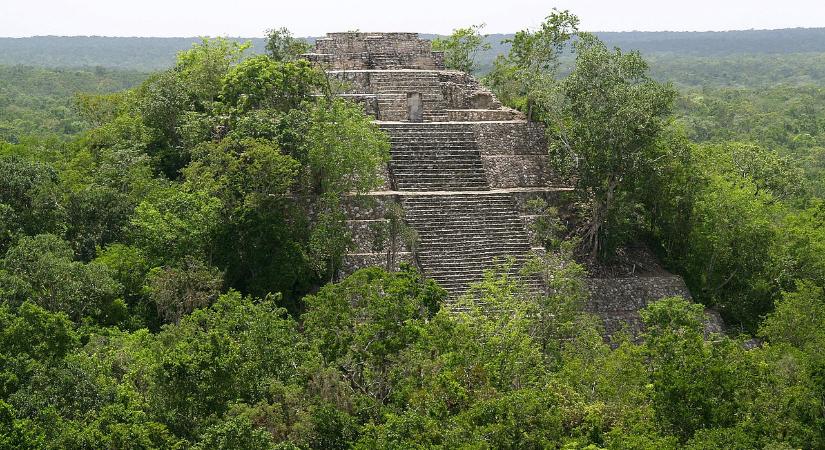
(463, 169)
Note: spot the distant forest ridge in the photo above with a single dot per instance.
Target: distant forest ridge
(153, 53)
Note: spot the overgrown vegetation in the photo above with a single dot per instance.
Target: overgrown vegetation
(165, 266)
(726, 191)
(462, 47)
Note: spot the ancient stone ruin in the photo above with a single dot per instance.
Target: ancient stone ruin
(463, 168)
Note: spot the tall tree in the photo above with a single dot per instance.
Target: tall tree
(603, 126)
(461, 48)
(281, 46)
(530, 68)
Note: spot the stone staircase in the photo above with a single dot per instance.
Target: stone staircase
(462, 235)
(437, 166)
(434, 157)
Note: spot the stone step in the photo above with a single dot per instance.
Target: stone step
(434, 144)
(487, 217)
(440, 186)
(467, 241)
(448, 136)
(424, 127)
(409, 183)
(464, 261)
(429, 140)
(432, 160)
(425, 133)
(437, 156)
(447, 234)
(437, 208)
(455, 233)
(426, 173)
(434, 163)
(434, 157)
(463, 235)
(473, 204)
(438, 174)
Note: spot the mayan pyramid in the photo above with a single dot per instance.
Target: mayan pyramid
(462, 167)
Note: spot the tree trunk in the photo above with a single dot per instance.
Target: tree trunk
(592, 240)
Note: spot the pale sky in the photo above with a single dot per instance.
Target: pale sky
(249, 18)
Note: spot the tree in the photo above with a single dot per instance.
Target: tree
(801, 245)
(797, 318)
(96, 216)
(237, 351)
(174, 102)
(260, 227)
(361, 325)
(263, 83)
(177, 291)
(694, 381)
(39, 334)
(281, 46)
(235, 433)
(461, 48)
(17, 434)
(728, 258)
(202, 68)
(173, 223)
(603, 131)
(527, 73)
(345, 148)
(29, 199)
(41, 269)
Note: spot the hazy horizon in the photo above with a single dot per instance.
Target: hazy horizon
(384, 31)
(250, 18)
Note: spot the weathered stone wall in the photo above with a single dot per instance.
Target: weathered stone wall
(354, 50)
(355, 261)
(560, 198)
(618, 301)
(391, 90)
(509, 171)
(481, 115)
(367, 219)
(366, 207)
(353, 81)
(368, 101)
(510, 138)
(462, 91)
(632, 293)
(370, 234)
(356, 42)
(514, 154)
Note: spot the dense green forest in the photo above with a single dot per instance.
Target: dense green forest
(168, 256)
(40, 102)
(127, 53)
(147, 54)
(731, 58)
